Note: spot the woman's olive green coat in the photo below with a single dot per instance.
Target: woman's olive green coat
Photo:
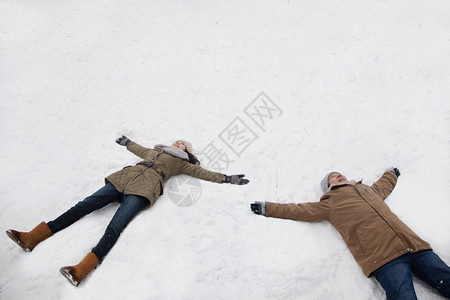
(372, 232)
(147, 182)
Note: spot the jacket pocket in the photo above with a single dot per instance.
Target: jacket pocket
(364, 241)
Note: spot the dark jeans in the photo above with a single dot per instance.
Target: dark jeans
(131, 205)
(396, 276)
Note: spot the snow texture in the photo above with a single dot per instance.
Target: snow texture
(360, 86)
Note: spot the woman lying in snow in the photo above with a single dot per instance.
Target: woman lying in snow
(135, 187)
(380, 242)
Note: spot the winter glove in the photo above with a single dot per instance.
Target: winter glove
(395, 171)
(258, 208)
(236, 179)
(123, 141)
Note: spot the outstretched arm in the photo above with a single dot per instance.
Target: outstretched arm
(307, 212)
(386, 184)
(136, 149)
(199, 172)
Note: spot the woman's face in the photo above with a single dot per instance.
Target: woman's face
(179, 145)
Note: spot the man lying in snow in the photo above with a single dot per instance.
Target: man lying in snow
(380, 242)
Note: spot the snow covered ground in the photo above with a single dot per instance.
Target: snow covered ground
(360, 86)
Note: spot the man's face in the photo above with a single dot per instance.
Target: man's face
(337, 179)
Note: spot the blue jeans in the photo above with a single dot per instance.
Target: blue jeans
(130, 206)
(396, 276)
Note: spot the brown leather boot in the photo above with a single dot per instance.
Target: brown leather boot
(29, 240)
(76, 274)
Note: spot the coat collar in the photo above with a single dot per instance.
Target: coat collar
(336, 186)
(173, 151)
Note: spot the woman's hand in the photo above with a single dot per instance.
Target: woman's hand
(236, 179)
(123, 141)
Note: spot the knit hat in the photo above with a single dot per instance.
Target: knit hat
(188, 146)
(324, 183)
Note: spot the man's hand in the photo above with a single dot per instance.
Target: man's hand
(123, 141)
(236, 179)
(395, 171)
(258, 208)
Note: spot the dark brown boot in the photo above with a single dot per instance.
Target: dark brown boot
(76, 274)
(29, 240)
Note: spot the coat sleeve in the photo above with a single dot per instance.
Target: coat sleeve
(138, 150)
(307, 212)
(200, 173)
(385, 185)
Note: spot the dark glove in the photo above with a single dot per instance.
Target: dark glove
(395, 171)
(258, 208)
(236, 179)
(123, 141)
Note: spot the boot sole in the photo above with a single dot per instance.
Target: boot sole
(68, 276)
(17, 241)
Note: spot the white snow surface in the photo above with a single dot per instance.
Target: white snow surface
(362, 85)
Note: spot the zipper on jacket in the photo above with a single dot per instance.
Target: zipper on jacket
(142, 172)
(384, 219)
(131, 180)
